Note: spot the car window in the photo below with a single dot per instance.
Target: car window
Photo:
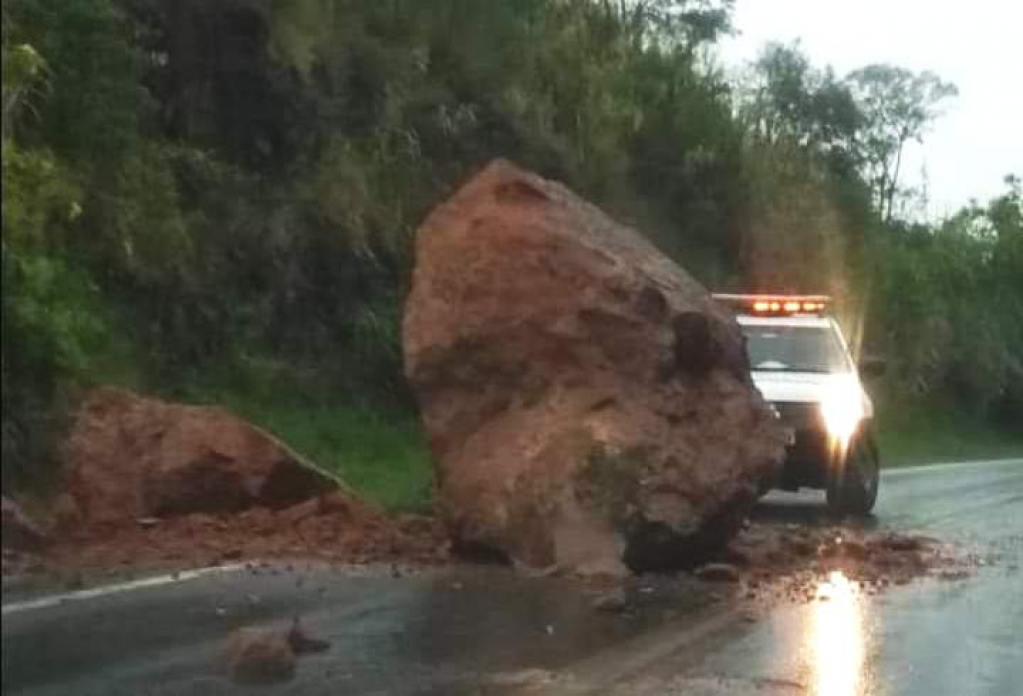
(795, 349)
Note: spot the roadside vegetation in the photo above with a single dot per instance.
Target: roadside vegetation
(215, 200)
(914, 432)
(380, 451)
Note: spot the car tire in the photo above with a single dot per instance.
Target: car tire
(853, 486)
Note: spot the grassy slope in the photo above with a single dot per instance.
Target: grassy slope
(382, 454)
(932, 432)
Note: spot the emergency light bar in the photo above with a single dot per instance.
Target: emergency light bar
(776, 304)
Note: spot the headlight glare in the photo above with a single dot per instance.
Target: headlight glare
(842, 410)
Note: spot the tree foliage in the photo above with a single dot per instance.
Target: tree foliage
(898, 106)
(203, 183)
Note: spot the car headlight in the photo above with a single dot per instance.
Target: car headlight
(842, 409)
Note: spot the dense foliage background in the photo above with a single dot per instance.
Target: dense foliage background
(215, 199)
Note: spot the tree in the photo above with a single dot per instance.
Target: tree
(785, 98)
(898, 105)
(806, 200)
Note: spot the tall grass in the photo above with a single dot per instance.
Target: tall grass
(916, 431)
(382, 456)
(379, 451)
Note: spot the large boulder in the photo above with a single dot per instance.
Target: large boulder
(589, 407)
(130, 457)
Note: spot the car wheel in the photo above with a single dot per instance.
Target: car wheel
(852, 487)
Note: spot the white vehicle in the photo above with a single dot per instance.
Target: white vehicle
(801, 364)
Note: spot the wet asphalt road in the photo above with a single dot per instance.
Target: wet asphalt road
(484, 631)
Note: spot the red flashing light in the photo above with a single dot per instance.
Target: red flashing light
(777, 304)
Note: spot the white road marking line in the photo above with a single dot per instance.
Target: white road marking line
(91, 593)
(952, 466)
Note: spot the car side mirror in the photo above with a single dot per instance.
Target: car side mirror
(873, 366)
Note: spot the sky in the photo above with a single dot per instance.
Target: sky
(978, 45)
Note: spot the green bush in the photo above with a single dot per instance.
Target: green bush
(225, 193)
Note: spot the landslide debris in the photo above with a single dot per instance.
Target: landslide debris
(152, 484)
(130, 457)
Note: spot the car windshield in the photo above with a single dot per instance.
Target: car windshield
(795, 349)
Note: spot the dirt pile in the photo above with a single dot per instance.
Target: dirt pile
(793, 562)
(586, 401)
(333, 527)
(770, 564)
(152, 484)
(130, 457)
(868, 555)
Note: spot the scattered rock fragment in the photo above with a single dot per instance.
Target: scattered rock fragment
(260, 656)
(794, 559)
(900, 542)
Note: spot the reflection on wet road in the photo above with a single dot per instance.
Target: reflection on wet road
(931, 637)
(836, 633)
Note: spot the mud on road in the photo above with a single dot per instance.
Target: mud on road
(766, 562)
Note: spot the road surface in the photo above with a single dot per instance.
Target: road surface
(484, 631)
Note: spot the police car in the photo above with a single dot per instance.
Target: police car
(800, 362)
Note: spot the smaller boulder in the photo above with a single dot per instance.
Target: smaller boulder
(129, 457)
(20, 532)
(260, 656)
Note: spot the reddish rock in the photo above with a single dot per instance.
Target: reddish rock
(19, 531)
(260, 656)
(130, 457)
(587, 402)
